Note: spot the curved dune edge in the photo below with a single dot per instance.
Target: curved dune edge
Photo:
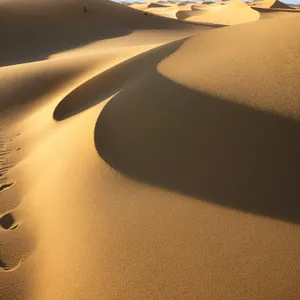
(169, 12)
(234, 12)
(166, 9)
(149, 185)
(154, 4)
(28, 92)
(244, 50)
(121, 21)
(222, 13)
(270, 4)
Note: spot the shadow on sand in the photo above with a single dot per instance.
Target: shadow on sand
(50, 27)
(106, 84)
(161, 133)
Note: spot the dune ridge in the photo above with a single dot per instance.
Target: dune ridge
(234, 12)
(221, 13)
(145, 157)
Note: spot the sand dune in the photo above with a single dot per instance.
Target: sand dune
(170, 12)
(270, 4)
(211, 3)
(140, 6)
(185, 3)
(147, 158)
(65, 27)
(164, 9)
(153, 4)
(219, 13)
(234, 12)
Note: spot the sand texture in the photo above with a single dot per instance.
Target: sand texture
(230, 12)
(146, 157)
(226, 13)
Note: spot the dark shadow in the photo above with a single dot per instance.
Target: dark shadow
(31, 90)
(156, 4)
(161, 133)
(186, 2)
(275, 10)
(3, 265)
(7, 221)
(31, 32)
(106, 84)
(6, 186)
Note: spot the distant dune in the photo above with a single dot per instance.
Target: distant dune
(234, 12)
(157, 5)
(270, 4)
(229, 12)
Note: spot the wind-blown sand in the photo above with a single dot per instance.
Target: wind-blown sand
(147, 158)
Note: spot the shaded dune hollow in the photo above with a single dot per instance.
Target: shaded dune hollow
(204, 147)
(194, 143)
(63, 31)
(271, 4)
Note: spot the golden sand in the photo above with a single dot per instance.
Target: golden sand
(144, 157)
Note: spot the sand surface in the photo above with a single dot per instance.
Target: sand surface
(270, 4)
(147, 158)
(226, 13)
(222, 13)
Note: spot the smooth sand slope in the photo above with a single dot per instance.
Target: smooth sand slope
(65, 27)
(219, 13)
(230, 13)
(166, 9)
(142, 164)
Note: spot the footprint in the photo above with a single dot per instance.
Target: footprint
(3, 265)
(8, 222)
(6, 186)
(15, 247)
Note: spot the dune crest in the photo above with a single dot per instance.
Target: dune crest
(270, 4)
(145, 157)
(222, 13)
(232, 13)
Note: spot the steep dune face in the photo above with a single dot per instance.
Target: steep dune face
(170, 12)
(270, 4)
(232, 137)
(279, 4)
(220, 13)
(233, 12)
(154, 4)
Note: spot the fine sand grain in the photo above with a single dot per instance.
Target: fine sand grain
(145, 157)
